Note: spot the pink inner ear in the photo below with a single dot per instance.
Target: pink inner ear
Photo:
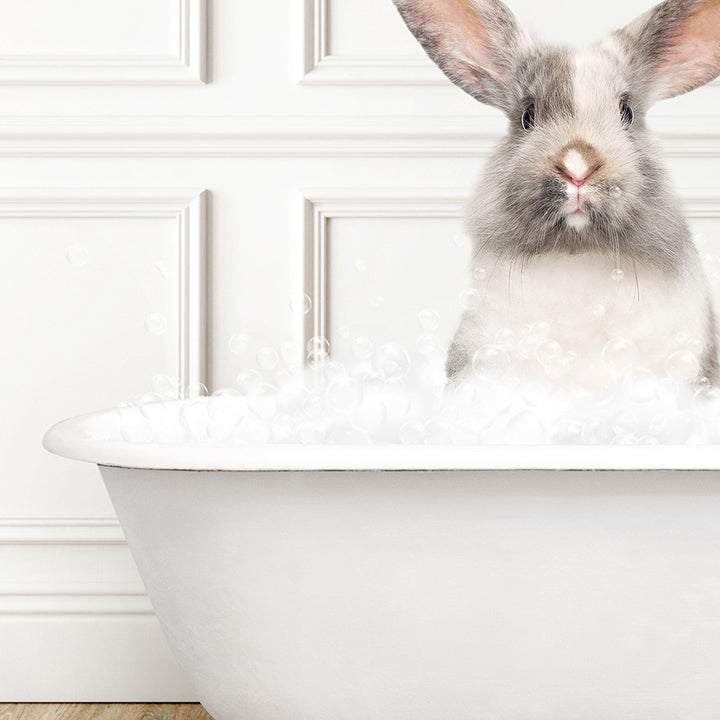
(695, 56)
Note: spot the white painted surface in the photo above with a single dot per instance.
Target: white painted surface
(439, 594)
(297, 97)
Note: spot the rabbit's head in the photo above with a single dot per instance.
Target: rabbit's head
(578, 169)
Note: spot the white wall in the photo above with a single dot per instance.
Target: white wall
(143, 140)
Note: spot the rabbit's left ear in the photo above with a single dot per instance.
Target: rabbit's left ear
(476, 43)
(675, 45)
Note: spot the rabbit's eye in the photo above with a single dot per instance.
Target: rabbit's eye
(626, 113)
(528, 117)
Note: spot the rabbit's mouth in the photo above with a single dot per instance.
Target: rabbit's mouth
(576, 209)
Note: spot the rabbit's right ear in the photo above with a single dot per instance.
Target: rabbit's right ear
(474, 42)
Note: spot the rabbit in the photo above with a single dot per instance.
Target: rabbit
(579, 242)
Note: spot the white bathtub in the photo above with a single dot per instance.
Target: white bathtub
(426, 583)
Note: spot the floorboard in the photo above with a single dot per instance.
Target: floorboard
(103, 711)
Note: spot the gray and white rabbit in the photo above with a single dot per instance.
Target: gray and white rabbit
(574, 221)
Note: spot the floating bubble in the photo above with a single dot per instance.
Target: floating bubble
(599, 310)
(547, 351)
(591, 382)
(151, 405)
(163, 269)
(267, 358)
(639, 385)
(376, 301)
(427, 344)
(371, 415)
(491, 361)
(392, 360)
(263, 401)
(615, 191)
(619, 355)
(344, 395)
(318, 346)
(300, 305)
(438, 431)
(239, 344)
(344, 332)
(155, 324)
(470, 299)
(429, 320)
(166, 386)
(505, 338)
(617, 274)
(700, 239)
(360, 265)
(625, 422)
(195, 390)
(77, 255)
(480, 273)
(460, 240)
(313, 406)
(682, 366)
(362, 348)
(248, 381)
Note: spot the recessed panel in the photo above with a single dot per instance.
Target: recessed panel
(394, 280)
(90, 315)
(90, 27)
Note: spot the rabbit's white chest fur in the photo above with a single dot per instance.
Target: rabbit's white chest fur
(585, 307)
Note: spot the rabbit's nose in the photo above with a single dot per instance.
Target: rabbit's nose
(577, 163)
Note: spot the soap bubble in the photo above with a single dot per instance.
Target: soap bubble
(599, 310)
(591, 382)
(300, 305)
(151, 405)
(619, 355)
(166, 386)
(77, 255)
(195, 390)
(438, 431)
(429, 320)
(460, 240)
(617, 274)
(362, 348)
(155, 324)
(239, 343)
(615, 191)
(491, 361)
(505, 338)
(547, 351)
(393, 361)
(470, 299)
(427, 344)
(682, 366)
(376, 301)
(163, 269)
(248, 381)
(267, 358)
(137, 429)
(625, 422)
(360, 265)
(371, 415)
(639, 385)
(344, 395)
(525, 428)
(318, 346)
(479, 273)
(311, 432)
(412, 433)
(263, 401)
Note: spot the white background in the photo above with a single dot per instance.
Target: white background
(142, 141)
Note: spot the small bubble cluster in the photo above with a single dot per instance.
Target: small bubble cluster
(388, 393)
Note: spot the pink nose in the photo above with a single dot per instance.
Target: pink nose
(577, 181)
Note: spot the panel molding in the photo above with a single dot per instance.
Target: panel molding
(187, 207)
(187, 66)
(323, 68)
(323, 204)
(306, 136)
(61, 531)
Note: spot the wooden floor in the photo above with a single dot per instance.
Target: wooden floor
(102, 711)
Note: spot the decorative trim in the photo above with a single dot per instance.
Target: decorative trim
(188, 207)
(85, 599)
(188, 66)
(322, 205)
(322, 68)
(463, 137)
(61, 531)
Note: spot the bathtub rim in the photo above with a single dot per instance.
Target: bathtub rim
(75, 438)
